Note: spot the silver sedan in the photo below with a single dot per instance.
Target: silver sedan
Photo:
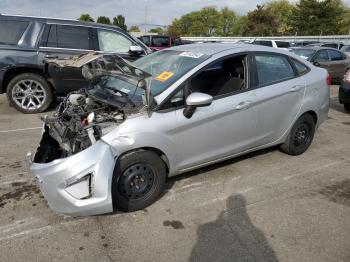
(113, 145)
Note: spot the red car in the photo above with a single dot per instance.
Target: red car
(159, 42)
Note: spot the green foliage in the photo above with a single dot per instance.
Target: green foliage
(120, 21)
(134, 28)
(103, 20)
(312, 17)
(277, 17)
(261, 22)
(282, 10)
(157, 30)
(86, 18)
(206, 22)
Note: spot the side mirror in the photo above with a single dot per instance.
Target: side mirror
(135, 49)
(316, 63)
(195, 100)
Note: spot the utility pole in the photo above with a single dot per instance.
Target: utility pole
(145, 16)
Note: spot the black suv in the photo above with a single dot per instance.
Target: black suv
(25, 42)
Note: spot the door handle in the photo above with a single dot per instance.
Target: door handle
(243, 105)
(51, 56)
(295, 88)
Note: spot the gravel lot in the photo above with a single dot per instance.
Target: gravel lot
(266, 206)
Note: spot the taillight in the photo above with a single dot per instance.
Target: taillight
(329, 80)
(347, 76)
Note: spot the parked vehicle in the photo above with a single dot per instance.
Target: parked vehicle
(302, 43)
(272, 43)
(25, 42)
(344, 91)
(114, 144)
(346, 49)
(335, 61)
(159, 42)
(332, 45)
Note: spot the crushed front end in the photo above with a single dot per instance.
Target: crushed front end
(73, 165)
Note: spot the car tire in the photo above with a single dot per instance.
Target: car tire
(300, 136)
(347, 107)
(29, 93)
(138, 180)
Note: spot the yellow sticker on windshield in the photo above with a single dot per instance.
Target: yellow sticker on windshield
(164, 76)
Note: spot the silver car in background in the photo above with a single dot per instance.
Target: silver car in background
(112, 146)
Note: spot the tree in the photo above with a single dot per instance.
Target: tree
(157, 30)
(86, 17)
(313, 17)
(175, 28)
(282, 11)
(240, 26)
(227, 20)
(103, 20)
(120, 21)
(204, 22)
(134, 28)
(261, 22)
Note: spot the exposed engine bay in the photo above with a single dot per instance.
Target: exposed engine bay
(86, 115)
(79, 122)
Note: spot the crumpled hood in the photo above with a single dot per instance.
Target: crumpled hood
(94, 65)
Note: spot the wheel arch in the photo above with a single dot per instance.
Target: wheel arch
(159, 152)
(313, 114)
(15, 71)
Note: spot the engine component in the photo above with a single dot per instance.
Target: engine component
(79, 122)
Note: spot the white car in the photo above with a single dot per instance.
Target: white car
(114, 144)
(272, 43)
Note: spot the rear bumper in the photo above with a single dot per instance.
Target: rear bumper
(344, 93)
(56, 178)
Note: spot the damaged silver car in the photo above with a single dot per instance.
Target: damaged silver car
(112, 145)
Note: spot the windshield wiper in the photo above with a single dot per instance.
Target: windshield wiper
(123, 94)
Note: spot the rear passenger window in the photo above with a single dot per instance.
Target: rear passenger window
(282, 44)
(160, 41)
(273, 68)
(11, 31)
(321, 56)
(301, 68)
(335, 55)
(74, 37)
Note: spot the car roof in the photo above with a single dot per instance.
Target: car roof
(55, 20)
(315, 48)
(215, 48)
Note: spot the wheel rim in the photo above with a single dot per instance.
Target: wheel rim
(29, 94)
(136, 181)
(302, 135)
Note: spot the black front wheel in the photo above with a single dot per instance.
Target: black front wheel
(347, 107)
(300, 136)
(138, 180)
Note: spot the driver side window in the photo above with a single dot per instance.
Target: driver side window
(219, 79)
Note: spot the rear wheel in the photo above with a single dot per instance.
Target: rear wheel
(29, 93)
(138, 180)
(347, 107)
(300, 136)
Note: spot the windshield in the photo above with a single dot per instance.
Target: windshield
(165, 67)
(304, 53)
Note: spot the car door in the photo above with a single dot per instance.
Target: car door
(339, 63)
(279, 94)
(321, 59)
(62, 41)
(111, 41)
(225, 127)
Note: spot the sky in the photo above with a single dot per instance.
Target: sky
(159, 12)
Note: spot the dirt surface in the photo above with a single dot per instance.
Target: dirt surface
(265, 206)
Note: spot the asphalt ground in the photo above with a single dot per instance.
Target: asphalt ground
(265, 206)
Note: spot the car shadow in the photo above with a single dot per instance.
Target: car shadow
(232, 237)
